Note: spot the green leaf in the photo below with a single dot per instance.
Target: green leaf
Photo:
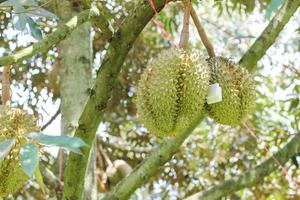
(42, 12)
(35, 31)
(29, 158)
(69, 143)
(20, 21)
(273, 5)
(294, 104)
(19, 2)
(39, 179)
(5, 147)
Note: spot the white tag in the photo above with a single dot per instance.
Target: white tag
(214, 94)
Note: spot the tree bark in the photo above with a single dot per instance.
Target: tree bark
(119, 47)
(75, 63)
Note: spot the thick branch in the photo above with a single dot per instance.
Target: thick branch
(269, 35)
(119, 47)
(151, 165)
(61, 33)
(252, 176)
(209, 47)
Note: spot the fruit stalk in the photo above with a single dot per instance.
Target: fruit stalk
(208, 45)
(184, 37)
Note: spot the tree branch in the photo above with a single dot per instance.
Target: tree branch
(269, 35)
(61, 33)
(92, 114)
(50, 120)
(209, 47)
(150, 166)
(250, 177)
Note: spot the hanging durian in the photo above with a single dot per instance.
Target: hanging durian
(238, 91)
(13, 123)
(172, 91)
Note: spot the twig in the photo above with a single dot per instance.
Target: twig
(124, 147)
(51, 120)
(6, 86)
(105, 156)
(61, 165)
(209, 47)
(159, 25)
(184, 37)
(293, 69)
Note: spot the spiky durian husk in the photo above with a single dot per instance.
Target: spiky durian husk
(172, 91)
(238, 91)
(13, 123)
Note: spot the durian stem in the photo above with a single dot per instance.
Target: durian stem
(208, 45)
(6, 86)
(184, 37)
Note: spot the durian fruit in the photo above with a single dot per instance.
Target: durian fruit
(238, 91)
(13, 123)
(172, 91)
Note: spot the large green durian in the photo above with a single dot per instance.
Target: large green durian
(13, 123)
(172, 91)
(238, 91)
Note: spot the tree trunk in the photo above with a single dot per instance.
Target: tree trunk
(75, 63)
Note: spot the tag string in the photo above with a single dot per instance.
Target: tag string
(159, 25)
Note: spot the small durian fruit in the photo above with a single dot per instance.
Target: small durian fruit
(172, 91)
(13, 123)
(238, 91)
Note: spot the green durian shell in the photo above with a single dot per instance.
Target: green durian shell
(238, 91)
(172, 91)
(13, 123)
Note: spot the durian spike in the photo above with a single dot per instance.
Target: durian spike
(184, 37)
(208, 45)
(6, 86)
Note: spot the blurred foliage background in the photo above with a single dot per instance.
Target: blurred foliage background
(212, 153)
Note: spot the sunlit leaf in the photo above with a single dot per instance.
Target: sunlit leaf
(35, 31)
(42, 12)
(20, 21)
(19, 2)
(29, 158)
(39, 179)
(69, 143)
(272, 7)
(5, 147)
